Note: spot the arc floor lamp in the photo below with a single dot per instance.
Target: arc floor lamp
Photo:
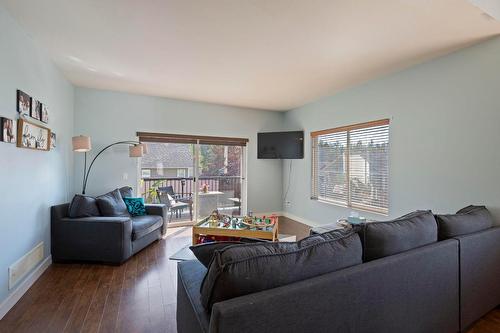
(83, 144)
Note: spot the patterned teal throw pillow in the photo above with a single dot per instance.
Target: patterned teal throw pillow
(135, 206)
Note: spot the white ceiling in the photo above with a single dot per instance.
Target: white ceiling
(490, 7)
(268, 54)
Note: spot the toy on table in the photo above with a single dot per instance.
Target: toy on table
(260, 222)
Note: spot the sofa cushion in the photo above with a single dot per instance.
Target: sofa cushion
(204, 252)
(135, 206)
(143, 225)
(382, 239)
(466, 221)
(126, 192)
(83, 206)
(112, 204)
(244, 269)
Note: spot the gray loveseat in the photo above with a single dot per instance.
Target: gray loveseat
(441, 287)
(104, 239)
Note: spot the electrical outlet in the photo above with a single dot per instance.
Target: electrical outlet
(125, 176)
(288, 203)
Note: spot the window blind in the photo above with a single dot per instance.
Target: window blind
(181, 138)
(350, 166)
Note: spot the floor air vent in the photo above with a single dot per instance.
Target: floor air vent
(23, 266)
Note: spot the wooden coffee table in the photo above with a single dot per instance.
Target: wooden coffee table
(238, 229)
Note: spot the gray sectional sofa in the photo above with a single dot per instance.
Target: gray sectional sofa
(442, 286)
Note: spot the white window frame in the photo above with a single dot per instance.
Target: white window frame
(142, 173)
(181, 173)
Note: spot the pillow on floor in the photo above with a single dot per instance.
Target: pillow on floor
(83, 206)
(239, 270)
(467, 220)
(112, 204)
(382, 239)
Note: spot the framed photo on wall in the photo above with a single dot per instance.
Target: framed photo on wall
(7, 130)
(32, 136)
(36, 109)
(23, 103)
(45, 114)
(53, 139)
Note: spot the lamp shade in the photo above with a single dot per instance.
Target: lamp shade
(136, 151)
(81, 143)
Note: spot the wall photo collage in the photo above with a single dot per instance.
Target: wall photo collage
(31, 132)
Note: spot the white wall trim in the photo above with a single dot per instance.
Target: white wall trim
(300, 219)
(258, 214)
(290, 216)
(23, 287)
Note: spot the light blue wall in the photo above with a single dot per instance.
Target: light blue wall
(111, 116)
(444, 132)
(445, 118)
(30, 181)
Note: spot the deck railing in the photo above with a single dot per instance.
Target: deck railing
(186, 185)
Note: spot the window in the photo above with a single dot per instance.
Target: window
(350, 166)
(181, 173)
(145, 173)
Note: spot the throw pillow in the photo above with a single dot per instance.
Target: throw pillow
(83, 206)
(239, 270)
(204, 252)
(135, 206)
(112, 204)
(382, 239)
(467, 220)
(171, 200)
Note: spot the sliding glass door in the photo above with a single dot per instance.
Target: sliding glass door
(194, 179)
(167, 177)
(220, 180)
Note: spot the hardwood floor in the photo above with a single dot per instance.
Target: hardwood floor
(138, 296)
(488, 324)
(292, 227)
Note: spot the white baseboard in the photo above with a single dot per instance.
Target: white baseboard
(300, 219)
(290, 216)
(268, 214)
(23, 287)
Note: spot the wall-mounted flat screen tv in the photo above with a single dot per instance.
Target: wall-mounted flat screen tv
(280, 145)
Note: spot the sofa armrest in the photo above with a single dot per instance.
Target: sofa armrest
(96, 220)
(479, 272)
(59, 211)
(160, 210)
(104, 239)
